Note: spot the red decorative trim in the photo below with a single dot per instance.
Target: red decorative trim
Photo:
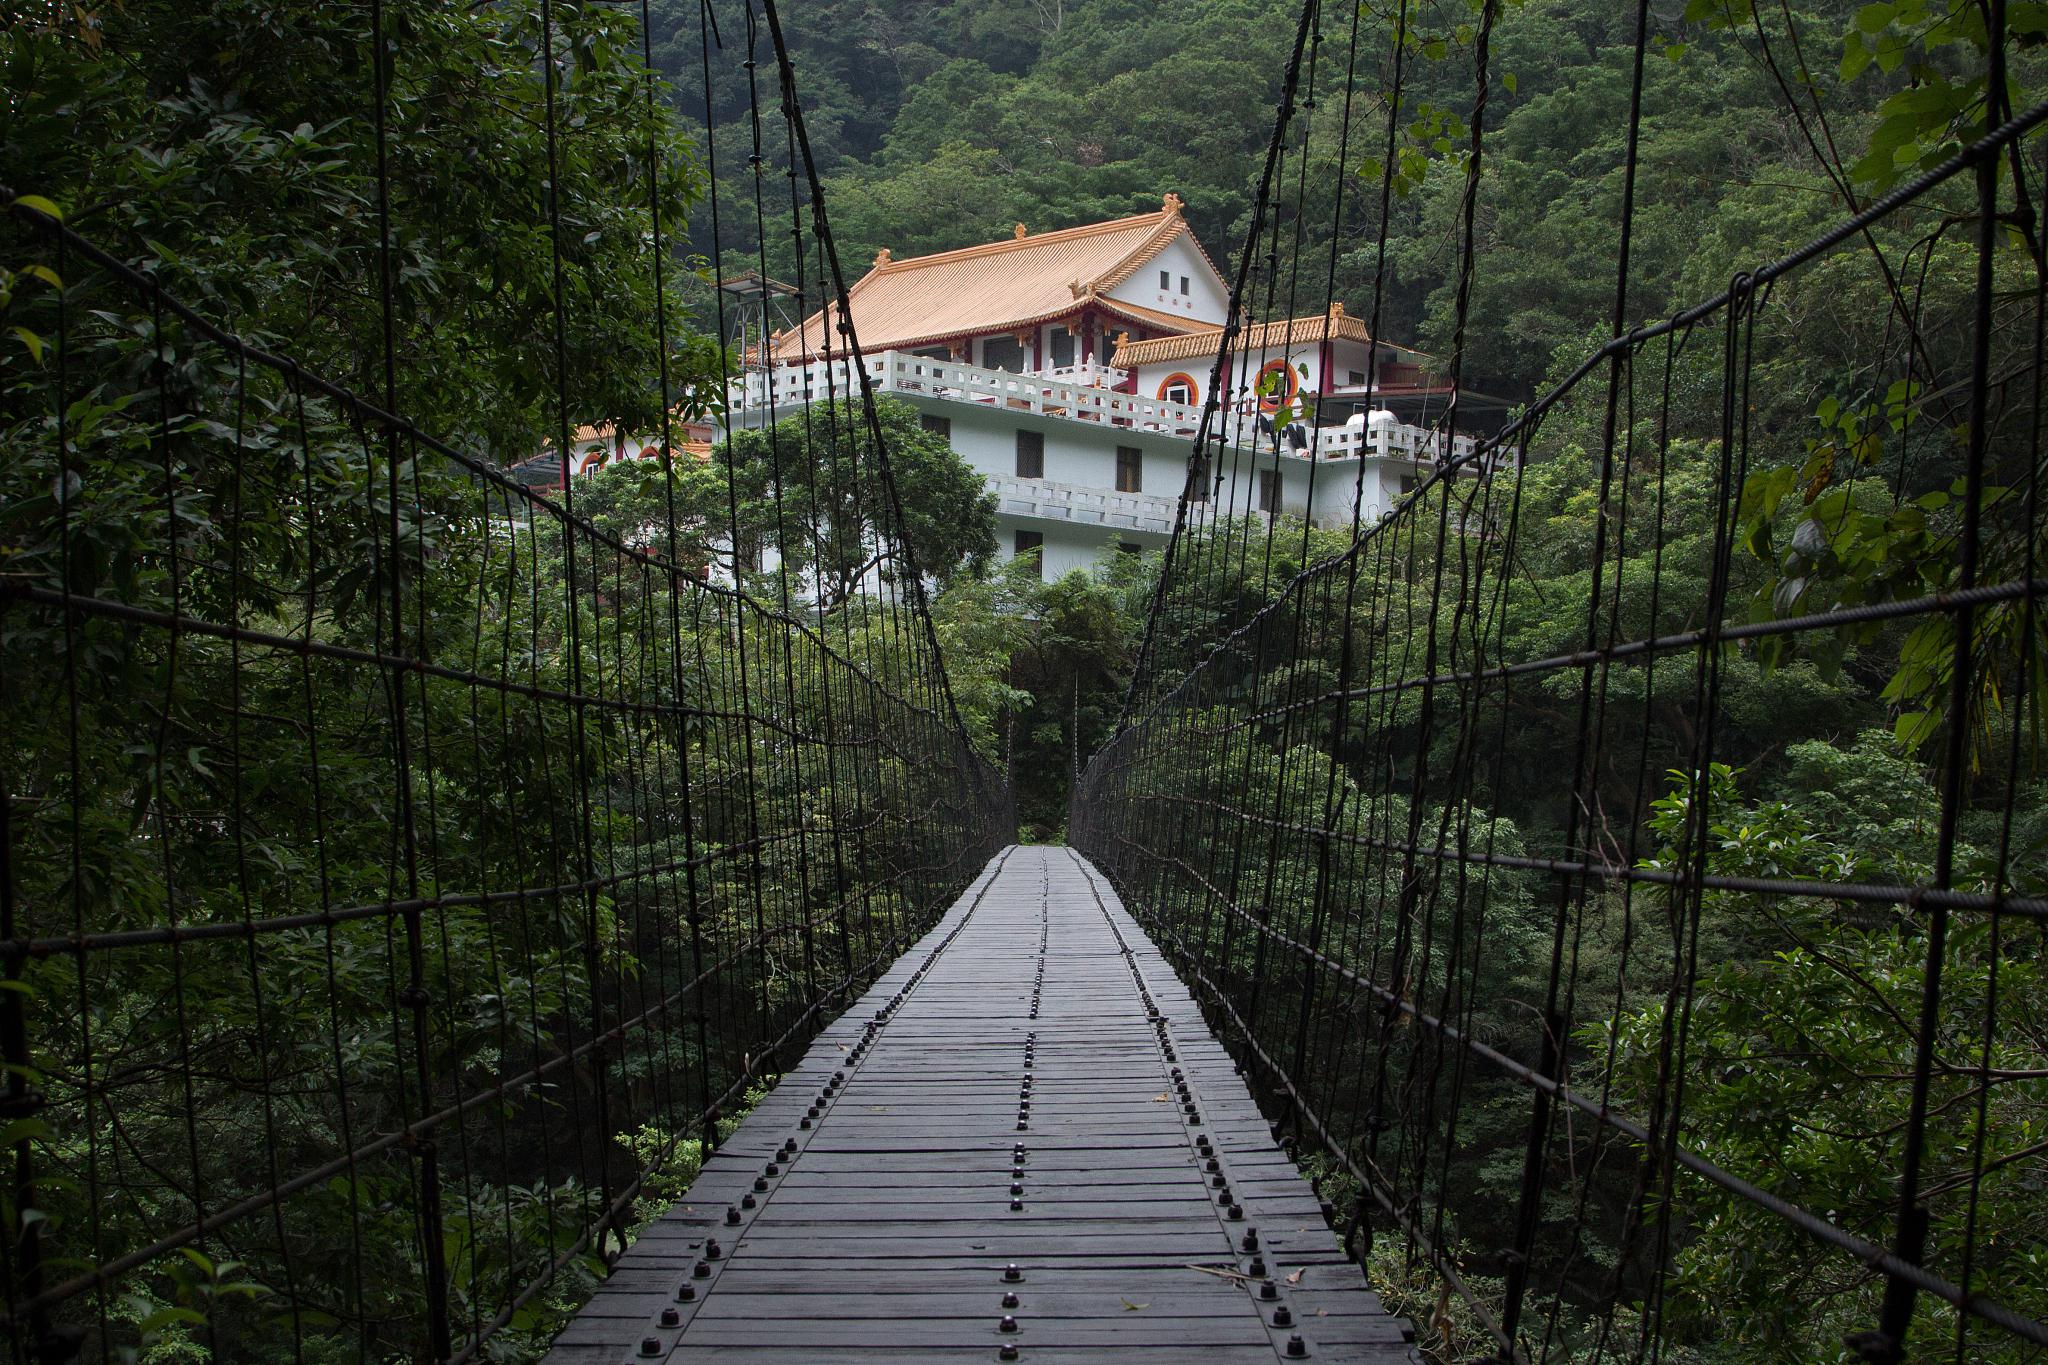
(1180, 377)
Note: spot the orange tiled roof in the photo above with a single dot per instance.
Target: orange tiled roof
(999, 286)
(1335, 325)
(608, 431)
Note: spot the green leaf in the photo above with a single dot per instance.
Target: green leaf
(164, 1317)
(1856, 55)
(32, 341)
(46, 207)
(1913, 729)
(23, 1130)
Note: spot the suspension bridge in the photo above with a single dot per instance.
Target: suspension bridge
(1023, 1140)
(443, 921)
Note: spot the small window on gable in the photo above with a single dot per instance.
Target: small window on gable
(1130, 469)
(1165, 280)
(1030, 454)
(1184, 285)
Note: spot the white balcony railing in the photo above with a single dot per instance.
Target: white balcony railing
(1087, 372)
(1391, 441)
(1147, 512)
(789, 386)
(1081, 393)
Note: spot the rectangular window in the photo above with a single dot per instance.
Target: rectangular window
(1002, 353)
(1269, 490)
(1129, 548)
(1357, 376)
(1062, 347)
(1032, 543)
(1030, 454)
(941, 427)
(1130, 469)
(1184, 285)
(1199, 492)
(1165, 280)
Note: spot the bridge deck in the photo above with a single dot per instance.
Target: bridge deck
(980, 1125)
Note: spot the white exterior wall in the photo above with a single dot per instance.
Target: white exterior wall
(1197, 368)
(1077, 510)
(1075, 505)
(1244, 369)
(1346, 356)
(1207, 299)
(1336, 481)
(1076, 453)
(1067, 548)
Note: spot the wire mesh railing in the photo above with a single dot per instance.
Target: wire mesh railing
(1631, 1003)
(407, 869)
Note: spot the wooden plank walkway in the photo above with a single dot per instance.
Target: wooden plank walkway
(1022, 1144)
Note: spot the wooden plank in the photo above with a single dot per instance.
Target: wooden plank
(888, 1160)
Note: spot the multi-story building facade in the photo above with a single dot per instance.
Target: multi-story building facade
(1071, 369)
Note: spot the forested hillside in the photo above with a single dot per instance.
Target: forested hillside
(223, 594)
(944, 122)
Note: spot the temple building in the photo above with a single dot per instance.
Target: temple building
(1071, 369)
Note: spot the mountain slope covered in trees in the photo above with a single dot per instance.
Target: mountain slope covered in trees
(941, 123)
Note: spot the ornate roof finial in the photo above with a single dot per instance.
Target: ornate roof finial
(1018, 233)
(1123, 338)
(1172, 204)
(882, 257)
(1337, 310)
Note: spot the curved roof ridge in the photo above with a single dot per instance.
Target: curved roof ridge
(1024, 243)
